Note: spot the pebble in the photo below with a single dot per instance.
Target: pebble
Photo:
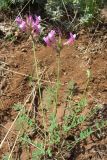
(105, 37)
(24, 50)
(65, 73)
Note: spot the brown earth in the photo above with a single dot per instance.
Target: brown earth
(16, 63)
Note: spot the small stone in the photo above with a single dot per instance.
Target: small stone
(65, 73)
(24, 50)
(105, 37)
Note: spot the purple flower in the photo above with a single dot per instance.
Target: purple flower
(47, 41)
(51, 35)
(18, 20)
(38, 19)
(50, 38)
(30, 24)
(36, 27)
(21, 23)
(56, 43)
(34, 24)
(71, 39)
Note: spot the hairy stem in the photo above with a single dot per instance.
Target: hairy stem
(57, 83)
(39, 84)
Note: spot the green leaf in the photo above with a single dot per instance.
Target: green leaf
(78, 120)
(86, 133)
(25, 139)
(81, 105)
(49, 152)
(38, 153)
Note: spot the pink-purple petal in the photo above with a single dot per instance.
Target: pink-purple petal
(18, 20)
(47, 41)
(38, 19)
(36, 27)
(22, 26)
(51, 35)
(71, 39)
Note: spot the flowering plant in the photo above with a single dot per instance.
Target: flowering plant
(30, 24)
(57, 44)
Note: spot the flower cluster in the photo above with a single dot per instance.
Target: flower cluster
(51, 40)
(30, 24)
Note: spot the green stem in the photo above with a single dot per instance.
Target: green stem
(86, 88)
(57, 83)
(58, 71)
(36, 68)
(38, 81)
(35, 58)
